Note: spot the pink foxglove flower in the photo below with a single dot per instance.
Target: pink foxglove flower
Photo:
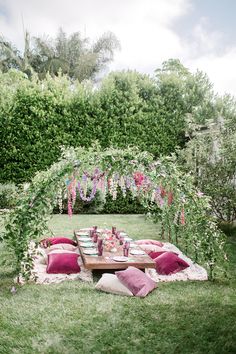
(161, 201)
(163, 192)
(69, 205)
(73, 194)
(138, 178)
(170, 198)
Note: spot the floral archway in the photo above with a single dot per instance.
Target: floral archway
(167, 194)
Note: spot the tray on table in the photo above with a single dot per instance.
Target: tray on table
(106, 261)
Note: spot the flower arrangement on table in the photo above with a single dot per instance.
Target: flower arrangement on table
(109, 241)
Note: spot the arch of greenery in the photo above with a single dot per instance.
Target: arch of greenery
(168, 195)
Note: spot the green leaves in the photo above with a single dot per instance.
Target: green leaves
(125, 111)
(184, 214)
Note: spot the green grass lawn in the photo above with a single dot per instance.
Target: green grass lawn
(72, 317)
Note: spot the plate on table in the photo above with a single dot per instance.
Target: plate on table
(87, 244)
(123, 234)
(91, 252)
(120, 259)
(133, 245)
(84, 239)
(82, 233)
(137, 252)
(128, 239)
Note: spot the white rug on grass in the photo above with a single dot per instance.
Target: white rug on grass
(193, 272)
(42, 277)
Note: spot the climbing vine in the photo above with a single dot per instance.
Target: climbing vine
(166, 193)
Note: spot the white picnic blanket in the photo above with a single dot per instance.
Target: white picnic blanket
(193, 272)
(42, 277)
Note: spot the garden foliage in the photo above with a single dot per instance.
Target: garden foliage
(182, 210)
(211, 156)
(37, 117)
(72, 55)
(8, 195)
(161, 115)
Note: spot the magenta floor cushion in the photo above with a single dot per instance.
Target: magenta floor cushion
(64, 263)
(154, 255)
(136, 281)
(169, 263)
(55, 240)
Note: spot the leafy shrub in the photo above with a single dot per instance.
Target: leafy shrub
(123, 205)
(211, 157)
(37, 117)
(8, 195)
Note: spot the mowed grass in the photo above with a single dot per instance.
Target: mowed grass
(72, 317)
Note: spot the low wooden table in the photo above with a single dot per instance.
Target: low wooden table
(106, 260)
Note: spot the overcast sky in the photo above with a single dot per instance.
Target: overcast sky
(201, 33)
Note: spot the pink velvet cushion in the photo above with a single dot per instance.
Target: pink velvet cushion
(55, 240)
(169, 263)
(64, 263)
(149, 242)
(154, 255)
(136, 281)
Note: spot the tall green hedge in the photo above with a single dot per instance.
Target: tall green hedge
(37, 117)
(123, 205)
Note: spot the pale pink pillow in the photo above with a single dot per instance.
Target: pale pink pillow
(44, 259)
(149, 242)
(136, 281)
(63, 251)
(61, 246)
(151, 248)
(111, 284)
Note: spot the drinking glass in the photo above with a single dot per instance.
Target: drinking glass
(95, 237)
(100, 246)
(126, 249)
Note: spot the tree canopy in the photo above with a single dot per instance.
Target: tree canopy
(73, 55)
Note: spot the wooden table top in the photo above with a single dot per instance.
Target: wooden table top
(106, 260)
